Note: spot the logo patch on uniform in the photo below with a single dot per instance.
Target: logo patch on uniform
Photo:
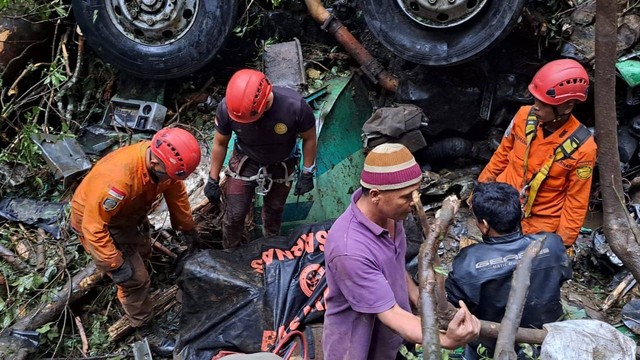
(110, 203)
(280, 128)
(584, 172)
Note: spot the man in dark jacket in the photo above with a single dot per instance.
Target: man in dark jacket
(481, 274)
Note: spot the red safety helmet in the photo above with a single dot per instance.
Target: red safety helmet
(178, 150)
(247, 94)
(560, 81)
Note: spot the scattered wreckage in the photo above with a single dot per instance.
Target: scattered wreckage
(154, 33)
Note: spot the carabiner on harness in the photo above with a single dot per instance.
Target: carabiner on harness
(264, 181)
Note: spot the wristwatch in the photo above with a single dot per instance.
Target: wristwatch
(310, 169)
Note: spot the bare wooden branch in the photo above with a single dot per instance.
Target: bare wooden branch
(515, 304)
(162, 300)
(429, 320)
(489, 329)
(444, 219)
(14, 260)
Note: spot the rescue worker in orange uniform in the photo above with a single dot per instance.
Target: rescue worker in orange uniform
(109, 213)
(548, 155)
(267, 121)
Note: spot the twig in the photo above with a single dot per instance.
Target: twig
(24, 52)
(83, 336)
(66, 305)
(79, 285)
(40, 253)
(515, 303)
(13, 89)
(14, 260)
(72, 81)
(65, 53)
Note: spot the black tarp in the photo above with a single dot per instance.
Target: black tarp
(232, 299)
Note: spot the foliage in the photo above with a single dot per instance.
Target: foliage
(35, 10)
(23, 150)
(572, 312)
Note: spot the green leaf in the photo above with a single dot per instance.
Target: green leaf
(572, 312)
(44, 328)
(441, 270)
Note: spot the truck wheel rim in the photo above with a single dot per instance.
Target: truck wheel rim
(153, 22)
(441, 13)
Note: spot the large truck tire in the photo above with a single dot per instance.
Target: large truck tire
(156, 39)
(439, 32)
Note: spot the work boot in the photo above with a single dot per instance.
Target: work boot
(158, 343)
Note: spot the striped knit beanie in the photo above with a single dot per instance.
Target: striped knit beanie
(389, 167)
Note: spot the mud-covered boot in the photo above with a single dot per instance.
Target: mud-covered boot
(158, 342)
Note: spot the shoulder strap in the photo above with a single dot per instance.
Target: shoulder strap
(530, 131)
(569, 146)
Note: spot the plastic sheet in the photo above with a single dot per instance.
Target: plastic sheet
(586, 339)
(243, 300)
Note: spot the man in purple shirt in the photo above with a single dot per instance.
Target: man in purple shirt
(368, 306)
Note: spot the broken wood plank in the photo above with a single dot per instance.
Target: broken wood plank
(625, 285)
(162, 301)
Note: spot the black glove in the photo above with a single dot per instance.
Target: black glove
(304, 185)
(212, 191)
(122, 274)
(193, 240)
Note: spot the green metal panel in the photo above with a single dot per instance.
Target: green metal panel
(630, 71)
(339, 160)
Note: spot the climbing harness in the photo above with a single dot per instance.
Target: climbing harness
(263, 178)
(564, 151)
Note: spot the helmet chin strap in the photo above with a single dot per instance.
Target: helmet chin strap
(558, 116)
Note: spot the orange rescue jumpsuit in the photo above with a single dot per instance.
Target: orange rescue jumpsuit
(562, 200)
(109, 212)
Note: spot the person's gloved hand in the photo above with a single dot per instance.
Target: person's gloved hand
(122, 274)
(193, 240)
(304, 185)
(212, 191)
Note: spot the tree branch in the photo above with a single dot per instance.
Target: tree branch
(515, 304)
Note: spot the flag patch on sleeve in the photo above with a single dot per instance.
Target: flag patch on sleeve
(116, 193)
